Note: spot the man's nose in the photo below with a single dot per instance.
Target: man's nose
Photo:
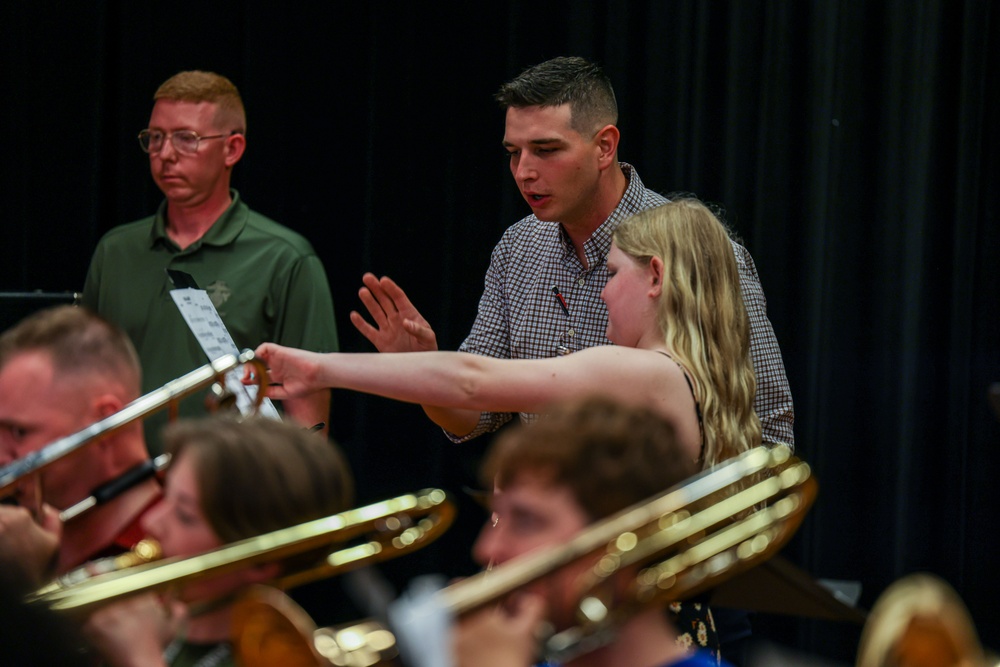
(524, 170)
(167, 150)
(488, 549)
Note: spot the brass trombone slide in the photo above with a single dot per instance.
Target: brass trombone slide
(34, 462)
(691, 537)
(673, 520)
(384, 529)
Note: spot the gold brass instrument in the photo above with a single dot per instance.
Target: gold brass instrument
(370, 534)
(166, 396)
(688, 539)
(144, 551)
(921, 621)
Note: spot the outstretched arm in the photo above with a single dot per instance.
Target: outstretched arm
(473, 382)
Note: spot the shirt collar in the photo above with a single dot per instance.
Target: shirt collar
(222, 232)
(596, 248)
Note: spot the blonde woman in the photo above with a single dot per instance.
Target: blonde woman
(675, 316)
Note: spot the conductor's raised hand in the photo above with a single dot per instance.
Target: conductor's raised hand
(292, 373)
(398, 325)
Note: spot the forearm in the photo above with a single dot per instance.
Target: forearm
(443, 381)
(456, 421)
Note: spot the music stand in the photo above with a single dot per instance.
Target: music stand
(779, 587)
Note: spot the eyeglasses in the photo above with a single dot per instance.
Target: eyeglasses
(184, 142)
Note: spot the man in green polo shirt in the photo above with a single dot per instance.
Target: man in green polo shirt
(265, 280)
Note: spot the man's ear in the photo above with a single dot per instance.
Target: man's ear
(102, 406)
(656, 277)
(236, 144)
(606, 140)
(105, 405)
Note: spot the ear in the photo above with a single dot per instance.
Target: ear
(101, 406)
(656, 277)
(606, 140)
(105, 405)
(236, 144)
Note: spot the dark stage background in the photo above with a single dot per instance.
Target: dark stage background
(854, 145)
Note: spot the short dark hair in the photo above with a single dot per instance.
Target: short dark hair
(79, 341)
(610, 455)
(261, 475)
(565, 80)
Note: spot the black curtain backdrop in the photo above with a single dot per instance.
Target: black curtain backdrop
(853, 144)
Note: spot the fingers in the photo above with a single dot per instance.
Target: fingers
(394, 293)
(424, 334)
(277, 392)
(529, 611)
(49, 520)
(375, 310)
(376, 298)
(364, 328)
(264, 352)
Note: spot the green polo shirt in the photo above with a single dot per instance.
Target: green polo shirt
(265, 280)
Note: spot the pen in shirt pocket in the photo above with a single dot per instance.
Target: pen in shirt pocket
(561, 299)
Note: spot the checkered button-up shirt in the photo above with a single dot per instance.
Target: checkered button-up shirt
(521, 316)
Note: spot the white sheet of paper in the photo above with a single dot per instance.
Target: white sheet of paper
(208, 328)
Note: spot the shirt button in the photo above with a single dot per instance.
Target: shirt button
(571, 333)
(581, 282)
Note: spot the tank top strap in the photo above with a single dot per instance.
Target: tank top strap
(697, 405)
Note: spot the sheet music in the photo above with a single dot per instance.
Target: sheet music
(203, 319)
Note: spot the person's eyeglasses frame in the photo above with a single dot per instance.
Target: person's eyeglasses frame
(146, 145)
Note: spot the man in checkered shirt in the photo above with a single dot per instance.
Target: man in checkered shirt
(543, 285)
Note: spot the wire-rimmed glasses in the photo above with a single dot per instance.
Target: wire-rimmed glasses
(185, 142)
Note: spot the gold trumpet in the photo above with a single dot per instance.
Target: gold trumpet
(166, 396)
(371, 534)
(675, 545)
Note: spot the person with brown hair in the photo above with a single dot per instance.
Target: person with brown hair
(228, 481)
(583, 461)
(61, 370)
(264, 279)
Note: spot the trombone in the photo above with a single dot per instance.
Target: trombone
(369, 534)
(686, 540)
(166, 396)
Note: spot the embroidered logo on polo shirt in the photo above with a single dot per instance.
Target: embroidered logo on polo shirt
(219, 292)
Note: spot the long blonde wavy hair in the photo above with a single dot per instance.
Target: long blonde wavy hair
(702, 317)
